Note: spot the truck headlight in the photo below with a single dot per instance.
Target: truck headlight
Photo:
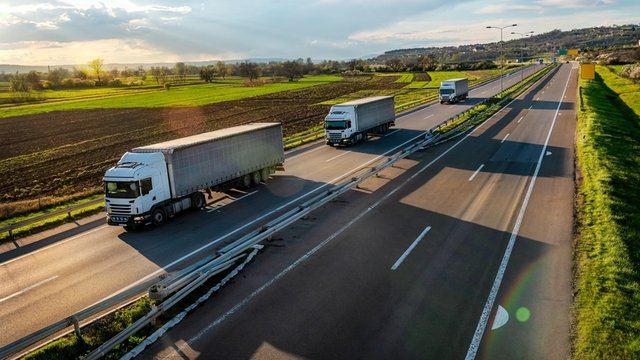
(138, 218)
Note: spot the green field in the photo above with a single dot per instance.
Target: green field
(417, 92)
(134, 97)
(607, 250)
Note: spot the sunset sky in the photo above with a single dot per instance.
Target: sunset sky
(36, 32)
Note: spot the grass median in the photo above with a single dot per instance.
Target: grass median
(607, 250)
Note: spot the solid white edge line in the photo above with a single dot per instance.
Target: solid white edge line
(475, 173)
(28, 288)
(486, 311)
(410, 249)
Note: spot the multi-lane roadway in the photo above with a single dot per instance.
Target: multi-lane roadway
(452, 220)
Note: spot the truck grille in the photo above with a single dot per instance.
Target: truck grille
(117, 209)
(335, 136)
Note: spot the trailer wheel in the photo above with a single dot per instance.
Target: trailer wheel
(246, 181)
(198, 201)
(264, 174)
(158, 216)
(255, 178)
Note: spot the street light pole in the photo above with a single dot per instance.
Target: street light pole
(522, 35)
(501, 57)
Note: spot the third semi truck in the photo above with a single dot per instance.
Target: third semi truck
(453, 90)
(152, 183)
(350, 122)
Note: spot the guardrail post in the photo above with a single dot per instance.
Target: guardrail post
(76, 325)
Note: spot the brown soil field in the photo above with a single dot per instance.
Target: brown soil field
(63, 153)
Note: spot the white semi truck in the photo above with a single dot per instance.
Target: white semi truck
(152, 183)
(350, 122)
(453, 90)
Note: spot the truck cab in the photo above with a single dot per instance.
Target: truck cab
(339, 126)
(135, 190)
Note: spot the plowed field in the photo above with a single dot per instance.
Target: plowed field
(67, 152)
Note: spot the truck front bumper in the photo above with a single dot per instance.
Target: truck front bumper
(128, 220)
(337, 141)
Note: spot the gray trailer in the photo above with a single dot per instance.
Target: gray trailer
(153, 182)
(350, 122)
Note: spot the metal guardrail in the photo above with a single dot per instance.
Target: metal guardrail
(11, 227)
(75, 319)
(190, 279)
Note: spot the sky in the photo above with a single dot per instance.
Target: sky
(61, 32)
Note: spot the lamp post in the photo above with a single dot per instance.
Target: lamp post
(501, 57)
(522, 35)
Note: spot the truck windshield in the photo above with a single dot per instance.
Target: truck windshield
(335, 125)
(446, 91)
(121, 189)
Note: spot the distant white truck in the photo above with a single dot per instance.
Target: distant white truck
(350, 122)
(152, 183)
(453, 90)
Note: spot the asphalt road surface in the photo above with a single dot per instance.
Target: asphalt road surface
(461, 251)
(46, 281)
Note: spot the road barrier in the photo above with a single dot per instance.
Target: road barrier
(68, 210)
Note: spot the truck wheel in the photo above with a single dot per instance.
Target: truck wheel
(158, 216)
(364, 137)
(255, 178)
(198, 201)
(246, 181)
(264, 174)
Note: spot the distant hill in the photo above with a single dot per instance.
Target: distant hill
(587, 39)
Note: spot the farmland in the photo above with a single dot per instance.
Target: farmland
(63, 145)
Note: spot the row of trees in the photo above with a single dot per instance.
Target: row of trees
(95, 75)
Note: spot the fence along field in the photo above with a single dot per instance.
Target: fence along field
(59, 153)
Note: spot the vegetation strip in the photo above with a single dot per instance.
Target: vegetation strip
(607, 249)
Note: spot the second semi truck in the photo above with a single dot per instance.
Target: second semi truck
(152, 183)
(453, 90)
(350, 122)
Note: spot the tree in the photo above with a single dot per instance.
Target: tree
(159, 74)
(207, 73)
(56, 76)
(291, 69)
(181, 71)
(249, 69)
(221, 68)
(395, 64)
(33, 80)
(96, 65)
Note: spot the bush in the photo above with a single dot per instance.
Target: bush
(115, 83)
(167, 86)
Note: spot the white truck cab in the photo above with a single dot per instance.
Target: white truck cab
(339, 125)
(134, 188)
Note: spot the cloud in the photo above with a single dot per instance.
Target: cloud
(506, 8)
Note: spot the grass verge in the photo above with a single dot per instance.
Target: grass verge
(607, 249)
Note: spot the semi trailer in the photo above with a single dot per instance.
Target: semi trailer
(152, 183)
(351, 122)
(453, 90)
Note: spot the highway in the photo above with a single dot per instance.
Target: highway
(41, 284)
(406, 266)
